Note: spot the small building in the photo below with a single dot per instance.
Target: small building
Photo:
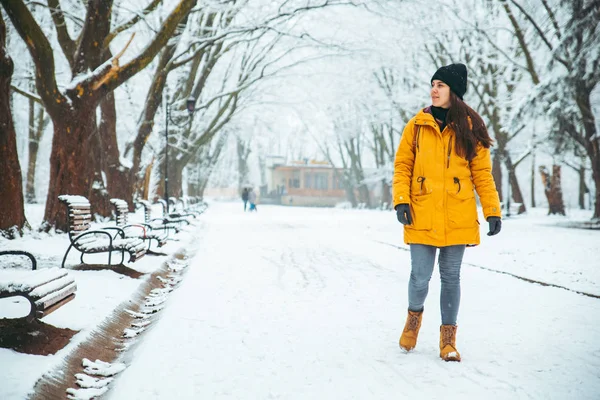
(303, 183)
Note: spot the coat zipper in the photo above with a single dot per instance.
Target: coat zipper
(449, 151)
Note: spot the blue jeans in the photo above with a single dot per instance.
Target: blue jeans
(422, 262)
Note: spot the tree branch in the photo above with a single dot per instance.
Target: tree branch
(552, 18)
(67, 44)
(532, 21)
(149, 8)
(24, 93)
(41, 53)
(88, 53)
(540, 33)
(521, 38)
(120, 75)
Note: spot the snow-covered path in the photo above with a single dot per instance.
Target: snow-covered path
(296, 303)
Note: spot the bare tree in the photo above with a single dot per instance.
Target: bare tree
(349, 150)
(12, 212)
(73, 110)
(572, 44)
(204, 165)
(243, 151)
(386, 132)
(553, 189)
(37, 126)
(580, 168)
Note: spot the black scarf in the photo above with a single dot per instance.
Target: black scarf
(439, 114)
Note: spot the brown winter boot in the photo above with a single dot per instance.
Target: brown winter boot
(408, 340)
(448, 350)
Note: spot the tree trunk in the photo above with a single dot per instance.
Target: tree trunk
(583, 189)
(195, 175)
(349, 188)
(533, 171)
(591, 141)
(363, 194)
(12, 212)
(175, 183)
(386, 195)
(201, 189)
(30, 186)
(153, 101)
(118, 178)
(515, 189)
(497, 172)
(176, 179)
(70, 163)
(145, 187)
(99, 197)
(193, 183)
(243, 151)
(202, 183)
(596, 176)
(553, 189)
(36, 130)
(359, 177)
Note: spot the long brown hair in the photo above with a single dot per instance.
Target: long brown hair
(468, 127)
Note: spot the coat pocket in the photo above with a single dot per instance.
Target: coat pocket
(421, 212)
(462, 209)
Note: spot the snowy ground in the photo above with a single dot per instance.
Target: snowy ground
(297, 303)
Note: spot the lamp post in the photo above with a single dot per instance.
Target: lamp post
(190, 105)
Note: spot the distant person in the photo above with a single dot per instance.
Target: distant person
(245, 197)
(252, 200)
(444, 155)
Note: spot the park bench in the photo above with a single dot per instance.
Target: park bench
(173, 217)
(193, 204)
(21, 253)
(157, 223)
(179, 209)
(88, 241)
(196, 203)
(140, 230)
(46, 289)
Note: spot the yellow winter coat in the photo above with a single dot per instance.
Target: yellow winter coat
(439, 185)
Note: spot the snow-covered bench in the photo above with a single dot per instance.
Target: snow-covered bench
(192, 204)
(179, 208)
(143, 231)
(46, 289)
(21, 253)
(173, 215)
(88, 241)
(165, 224)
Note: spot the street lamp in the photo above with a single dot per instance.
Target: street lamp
(190, 105)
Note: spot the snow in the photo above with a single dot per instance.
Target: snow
(23, 280)
(74, 199)
(299, 303)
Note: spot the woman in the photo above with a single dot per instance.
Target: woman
(444, 154)
(252, 200)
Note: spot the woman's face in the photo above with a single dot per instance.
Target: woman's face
(440, 94)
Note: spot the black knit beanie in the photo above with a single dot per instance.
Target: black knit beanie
(455, 76)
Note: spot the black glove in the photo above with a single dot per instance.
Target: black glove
(403, 214)
(495, 225)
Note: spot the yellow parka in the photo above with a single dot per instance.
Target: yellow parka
(439, 185)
